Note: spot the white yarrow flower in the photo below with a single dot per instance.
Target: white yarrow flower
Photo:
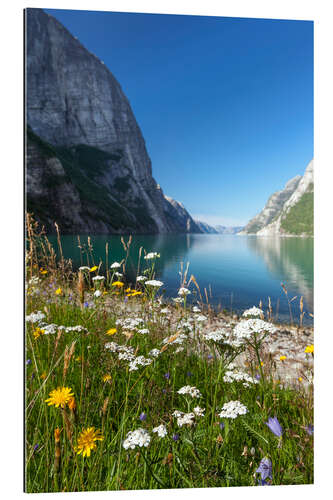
(98, 293)
(254, 311)
(233, 409)
(98, 278)
(182, 292)
(151, 255)
(192, 391)
(35, 317)
(140, 438)
(141, 278)
(115, 265)
(160, 430)
(199, 412)
(154, 283)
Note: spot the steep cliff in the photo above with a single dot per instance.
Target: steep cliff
(287, 212)
(81, 124)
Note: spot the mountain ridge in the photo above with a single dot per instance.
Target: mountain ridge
(78, 115)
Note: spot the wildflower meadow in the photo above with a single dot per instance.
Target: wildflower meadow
(126, 390)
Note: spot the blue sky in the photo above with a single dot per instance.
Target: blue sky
(225, 104)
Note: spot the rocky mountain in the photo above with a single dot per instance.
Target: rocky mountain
(287, 212)
(208, 229)
(87, 166)
(229, 229)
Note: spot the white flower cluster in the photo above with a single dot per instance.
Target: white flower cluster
(196, 309)
(192, 391)
(119, 275)
(154, 353)
(237, 375)
(151, 255)
(84, 268)
(115, 265)
(97, 293)
(98, 278)
(247, 328)
(141, 278)
(216, 336)
(233, 409)
(143, 331)
(35, 317)
(200, 318)
(165, 310)
(111, 346)
(178, 300)
(154, 283)
(161, 431)
(140, 438)
(254, 311)
(139, 361)
(199, 412)
(130, 323)
(52, 328)
(184, 418)
(182, 292)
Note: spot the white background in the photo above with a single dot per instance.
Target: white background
(11, 182)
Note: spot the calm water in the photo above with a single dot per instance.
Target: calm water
(239, 270)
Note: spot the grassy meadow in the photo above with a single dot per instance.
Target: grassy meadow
(126, 391)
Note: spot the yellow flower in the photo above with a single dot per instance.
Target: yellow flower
(300, 379)
(86, 441)
(38, 332)
(128, 290)
(58, 291)
(282, 358)
(105, 292)
(309, 349)
(135, 292)
(43, 271)
(43, 376)
(111, 331)
(78, 358)
(119, 284)
(59, 397)
(92, 269)
(106, 377)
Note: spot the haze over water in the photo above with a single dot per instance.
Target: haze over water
(237, 271)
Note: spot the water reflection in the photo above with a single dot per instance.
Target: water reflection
(288, 259)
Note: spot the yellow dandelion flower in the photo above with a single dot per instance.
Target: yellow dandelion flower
(38, 332)
(128, 290)
(43, 376)
(59, 397)
(43, 271)
(111, 331)
(309, 349)
(136, 292)
(300, 379)
(105, 292)
(118, 284)
(86, 441)
(282, 358)
(106, 377)
(58, 291)
(92, 269)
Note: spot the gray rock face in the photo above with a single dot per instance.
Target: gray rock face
(206, 228)
(305, 185)
(72, 99)
(268, 221)
(272, 208)
(178, 217)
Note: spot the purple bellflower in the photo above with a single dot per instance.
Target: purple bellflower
(274, 426)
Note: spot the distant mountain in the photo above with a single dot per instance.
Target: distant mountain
(208, 229)
(229, 229)
(87, 167)
(287, 212)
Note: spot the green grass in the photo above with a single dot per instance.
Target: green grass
(299, 219)
(204, 456)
